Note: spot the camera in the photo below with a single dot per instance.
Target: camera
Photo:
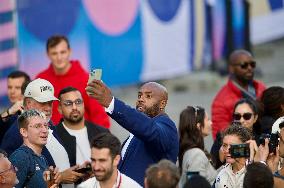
(239, 150)
(273, 141)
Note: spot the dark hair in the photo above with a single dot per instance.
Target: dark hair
(236, 129)
(249, 102)
(66, 90)
(197, 181)
(258, 175)
(55, 40)
(107, 140)
(164, 174)
(189, 135)
(19, 74)
(272, 98)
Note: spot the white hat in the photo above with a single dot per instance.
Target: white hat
(40, 90)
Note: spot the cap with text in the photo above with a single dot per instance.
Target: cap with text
(40, 90)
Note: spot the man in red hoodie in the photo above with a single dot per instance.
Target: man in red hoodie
(63, 72)
(241, 84)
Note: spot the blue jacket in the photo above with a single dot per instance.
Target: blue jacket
(154, 139)
(12, 140)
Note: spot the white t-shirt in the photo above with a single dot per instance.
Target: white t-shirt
(122, 181)
(59, 155)
(83, 148)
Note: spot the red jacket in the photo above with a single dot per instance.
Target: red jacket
(224, 102)
(76, 77)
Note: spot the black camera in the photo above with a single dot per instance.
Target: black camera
(273, 141)
(239, 150)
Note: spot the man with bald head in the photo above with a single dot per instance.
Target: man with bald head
(241, 84)
(153, 135)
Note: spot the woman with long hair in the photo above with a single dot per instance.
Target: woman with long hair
(194, 125)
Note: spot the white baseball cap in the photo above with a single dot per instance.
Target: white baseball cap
(40, 90)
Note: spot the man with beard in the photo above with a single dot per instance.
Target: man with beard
(240, 85)
(74, 131)
(39, 95)
(105, 156)
(153, 134)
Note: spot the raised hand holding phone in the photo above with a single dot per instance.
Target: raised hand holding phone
(95, 74)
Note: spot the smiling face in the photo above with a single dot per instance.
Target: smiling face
(103, 164)
(36, 132)
(59, 56)
(151, 99)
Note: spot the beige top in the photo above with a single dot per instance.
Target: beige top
(195, 160)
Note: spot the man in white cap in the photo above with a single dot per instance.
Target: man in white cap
(39, 95)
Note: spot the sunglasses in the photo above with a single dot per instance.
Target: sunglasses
(244, 65)
(246, 116)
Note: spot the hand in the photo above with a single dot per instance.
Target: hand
(70, 176)
(263, 152)
(57, 176)
(52, 177)
(17, 106)
(253, 149)
(98, 90)
(273, 161)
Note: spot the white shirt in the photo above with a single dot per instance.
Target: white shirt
(227, 178)
(59, 155)
(83, 148)
(124, 149)
(122, 181)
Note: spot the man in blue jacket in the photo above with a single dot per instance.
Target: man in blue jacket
(153, 134)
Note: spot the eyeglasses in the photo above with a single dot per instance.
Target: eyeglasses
(69, 103)
(39, 126)
(12, 168)
(246, 116)
(244, 65)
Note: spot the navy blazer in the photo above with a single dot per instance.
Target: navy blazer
(154, 139)
(12, 140)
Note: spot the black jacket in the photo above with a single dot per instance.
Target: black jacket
(69, 142)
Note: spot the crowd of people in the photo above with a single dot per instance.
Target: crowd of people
(55, 133)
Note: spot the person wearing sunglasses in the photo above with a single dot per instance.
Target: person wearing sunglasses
(194, 126)
(246, 114)
(8, 178)
(241, 84)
